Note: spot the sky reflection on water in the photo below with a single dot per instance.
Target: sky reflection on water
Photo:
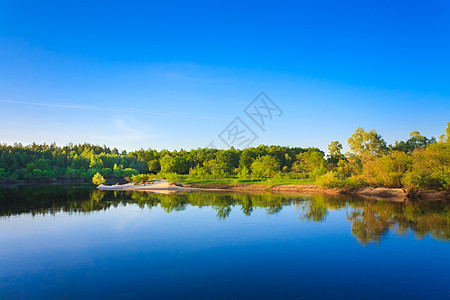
(209, 246)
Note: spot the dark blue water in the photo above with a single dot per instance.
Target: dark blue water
(82, 244)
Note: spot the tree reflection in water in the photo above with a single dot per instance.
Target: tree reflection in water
(371, 220)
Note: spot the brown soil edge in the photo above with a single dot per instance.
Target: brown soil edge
(379, 193)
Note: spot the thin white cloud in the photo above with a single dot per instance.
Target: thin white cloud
(113, 109)
(125, 133)
(130, 127)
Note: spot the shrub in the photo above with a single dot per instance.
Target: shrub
(197, 173)
(391, 168)
(333, 180)
(129, 172)
(352, 182)
(243, 173)
(98, 179)
(430, 168)
(318, 172)
(387, 170)
(172, 178)
(140, 178)
(329, 180)
(216, 168)
(107, 172)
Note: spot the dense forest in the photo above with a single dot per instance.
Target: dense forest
(418, 162)
(47, 162)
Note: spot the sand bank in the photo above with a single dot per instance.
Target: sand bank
(160, 186)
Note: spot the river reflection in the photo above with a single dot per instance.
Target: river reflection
(371, 220)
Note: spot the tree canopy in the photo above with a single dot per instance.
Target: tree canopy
(418, 162)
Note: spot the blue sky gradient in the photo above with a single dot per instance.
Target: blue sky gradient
(174, 74)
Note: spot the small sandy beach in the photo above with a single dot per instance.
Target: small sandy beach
(160, 186)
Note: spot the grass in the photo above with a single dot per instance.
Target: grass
(235, 180)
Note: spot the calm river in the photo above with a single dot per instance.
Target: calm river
(80, 243)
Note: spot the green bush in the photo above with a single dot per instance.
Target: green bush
(318, 172)
(140, 178)
(243, 173)
(430, 168)
(265, 166)
(352, 182)
(107, 172)
(329, 180)
(129, 172)
(197, 173)
(387, 170)
(172, 177)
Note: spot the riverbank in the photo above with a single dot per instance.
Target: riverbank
(380, 193)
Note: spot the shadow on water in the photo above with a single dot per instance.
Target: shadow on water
(371, 220)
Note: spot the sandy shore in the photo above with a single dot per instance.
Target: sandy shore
(161, 187)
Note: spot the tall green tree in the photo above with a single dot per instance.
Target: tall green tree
(265, 166)
(415, 141)
(309, 161)
(335, 155)
(173, 164)
(364, 143)
(335, 149)
(445, 138)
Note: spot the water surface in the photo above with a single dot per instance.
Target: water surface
(74, 243)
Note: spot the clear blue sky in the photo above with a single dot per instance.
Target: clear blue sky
(175, 74)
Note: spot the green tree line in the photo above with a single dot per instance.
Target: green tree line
(45, 162)
(418, 162)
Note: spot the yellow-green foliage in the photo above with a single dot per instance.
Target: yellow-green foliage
(197, 172)
(141, 178)
(309, 162)
(98, 179)
(243, 173)
(416, 163)
(430, 167)
(387, 170)
(216, 168)
(334, 180)
(172, 177)
(330, 180)
(265, 166)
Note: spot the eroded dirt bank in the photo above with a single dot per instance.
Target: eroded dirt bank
(397, 194)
